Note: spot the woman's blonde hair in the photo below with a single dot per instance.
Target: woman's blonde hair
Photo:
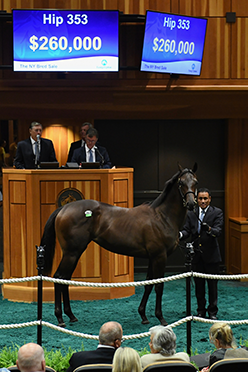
(126, 359)
(223, 333)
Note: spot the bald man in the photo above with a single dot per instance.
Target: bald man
(31, 358)
(110, 336)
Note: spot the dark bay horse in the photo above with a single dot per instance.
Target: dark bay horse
(148, 230)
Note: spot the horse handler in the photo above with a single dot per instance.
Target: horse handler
(204, 225)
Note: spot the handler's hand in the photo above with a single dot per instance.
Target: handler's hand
(205, 226)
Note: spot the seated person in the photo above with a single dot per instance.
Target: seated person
(110, 336)
(77, 144)
(126, 359)
(26, 153)
(31, 358)
(90, 152)
(221, 335)
(163, 347)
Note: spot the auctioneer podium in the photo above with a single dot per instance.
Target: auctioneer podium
(29, 197)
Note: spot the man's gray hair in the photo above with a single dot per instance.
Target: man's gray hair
(109, 332)
(164, 340)
(34, 124)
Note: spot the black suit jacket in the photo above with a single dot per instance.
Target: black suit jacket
(206, 244)
(79, 156)
(74, 146)
(100, 355)
(25, 158)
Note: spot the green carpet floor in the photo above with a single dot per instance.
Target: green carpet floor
(233, 305)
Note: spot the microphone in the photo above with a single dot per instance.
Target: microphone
(102, 158)
(38, 138)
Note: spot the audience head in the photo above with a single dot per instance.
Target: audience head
(84, 128)
(221, 335)
(163, 340)
(91, 137)
(111, 334)
(35, 129)
(126, 359)
(31, 358)
(2, 143)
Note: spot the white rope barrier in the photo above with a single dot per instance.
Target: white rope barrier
(127, 284)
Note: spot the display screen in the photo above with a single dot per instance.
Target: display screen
(173, 43)
(65, 40)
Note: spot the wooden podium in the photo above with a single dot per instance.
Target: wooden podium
(238, 241)
(29, 197)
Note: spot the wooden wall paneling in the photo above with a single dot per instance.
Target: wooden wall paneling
(216, 57)
(244, 182)
(59, 135)
(89, 189)
(18, 241)
(239, 50)
(240, 7)
(233, 180)
(49, 191)
(89, 265)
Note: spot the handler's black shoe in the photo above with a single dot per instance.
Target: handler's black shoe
(201, 315)
(213, 317)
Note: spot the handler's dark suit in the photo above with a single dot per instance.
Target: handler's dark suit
(74, 146)
(207, 255)
(79, 156)
(25, 158)
(100, 355)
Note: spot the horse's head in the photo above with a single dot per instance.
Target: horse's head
(187, 182)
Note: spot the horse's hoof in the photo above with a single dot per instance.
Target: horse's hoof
(73, 320)
(62, 325)
(163, 322)
(145, 321)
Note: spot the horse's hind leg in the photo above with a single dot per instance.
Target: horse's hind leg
(67, 306)
(58, 304)
(158, 267)
(64, 271)
(158, 310)
(142, 306)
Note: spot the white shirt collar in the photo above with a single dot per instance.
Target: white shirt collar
(107, 346)
(205, 210)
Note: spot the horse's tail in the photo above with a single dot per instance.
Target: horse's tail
(48, 241)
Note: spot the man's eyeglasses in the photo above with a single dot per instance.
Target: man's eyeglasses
(90, 141)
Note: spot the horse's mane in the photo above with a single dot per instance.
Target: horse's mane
(168, 185)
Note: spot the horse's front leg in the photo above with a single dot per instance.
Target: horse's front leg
(67, 306)
(58, 304)
(142, 306)
(158, 310)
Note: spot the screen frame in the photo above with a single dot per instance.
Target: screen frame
(65, 71)
(173, 74)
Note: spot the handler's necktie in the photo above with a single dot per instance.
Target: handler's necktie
(200, 220)
(91, 157)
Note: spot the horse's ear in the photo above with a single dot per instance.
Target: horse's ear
(194, 168)
(179, 167)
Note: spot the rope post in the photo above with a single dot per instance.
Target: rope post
(188, 264)
(40, 267)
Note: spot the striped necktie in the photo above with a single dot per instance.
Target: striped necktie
(200, 220)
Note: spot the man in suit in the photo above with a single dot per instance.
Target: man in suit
(204, 226)
(77, 144)
(34, 150)
(31, 358)
(90, 152)
(110, 336)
